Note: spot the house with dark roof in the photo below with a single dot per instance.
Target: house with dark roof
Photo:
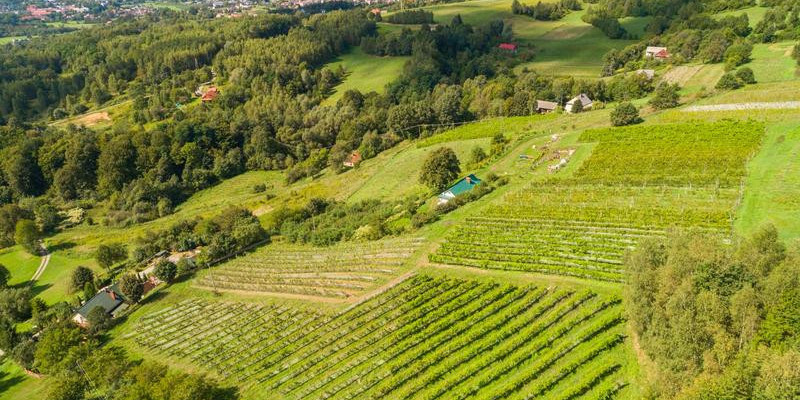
(544, 107)
(464, 185)
(108, 298)
(586, 102)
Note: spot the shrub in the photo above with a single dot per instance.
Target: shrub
(80, 277)
(165, 271)
(625, 114)
(745, 74)
(666, 96)
(440, 168)
(728, 82)
(132, 287)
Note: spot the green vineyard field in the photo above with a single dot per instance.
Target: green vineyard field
(337, 271)
(427, 338)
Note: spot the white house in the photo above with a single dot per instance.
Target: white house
(586, 102)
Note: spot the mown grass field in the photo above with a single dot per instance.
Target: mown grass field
(15, 384)
(365, 73)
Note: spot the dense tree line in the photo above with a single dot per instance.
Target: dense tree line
(546, 11)
(720, 321)
(411, 17)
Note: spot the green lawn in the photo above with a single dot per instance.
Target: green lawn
(772, 193)
(365, 72)
(398, 176)
(754, 14)
(16, 385)
(20, 263)
(772, 62)
(9, 39)
(71, 24)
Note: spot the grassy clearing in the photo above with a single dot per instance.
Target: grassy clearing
(510, 127)
(772, 191)
(754, 14)
(366, 73)
(398, 176)
(9, 39)
(15, 384)
(772, 62)
(20, 263)
(53, 285)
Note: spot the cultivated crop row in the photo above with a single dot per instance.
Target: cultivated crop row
(337, 271)
(427, 338)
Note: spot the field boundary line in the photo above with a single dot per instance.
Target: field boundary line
(773, 105)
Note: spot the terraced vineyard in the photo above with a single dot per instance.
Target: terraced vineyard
(338, 271)
(428, 338)
(624, 192)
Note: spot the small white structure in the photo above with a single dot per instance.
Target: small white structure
(586, 102)
(648, 73)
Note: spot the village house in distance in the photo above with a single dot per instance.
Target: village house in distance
(586, 103)
(655, 52)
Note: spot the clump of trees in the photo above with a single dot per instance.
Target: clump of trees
(625, 114)
(546, 11)
(666, 96)
(735, 80)
(440, 169)
(225, 234)
(418, 16)
(720, 321)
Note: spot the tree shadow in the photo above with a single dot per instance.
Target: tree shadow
(37, 289)
(61, 246)
(7, 383)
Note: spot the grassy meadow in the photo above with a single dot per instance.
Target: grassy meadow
(365, 72)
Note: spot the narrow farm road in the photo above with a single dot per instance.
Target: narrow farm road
(772, 105)
(42, 264)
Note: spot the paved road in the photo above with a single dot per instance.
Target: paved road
(775, 105)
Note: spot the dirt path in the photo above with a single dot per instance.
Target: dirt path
(42, 264)
(777, 105)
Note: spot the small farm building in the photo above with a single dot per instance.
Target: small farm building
(109, 298)
(586, 102)
(462, 186)
(544, 107)
(656, 52)
(352, 160)
(508, 46)
(210, 94)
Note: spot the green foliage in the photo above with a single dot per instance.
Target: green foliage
(165, 271)
(80, 277)
(132, 287)
(665, 96)
(728, 81)
(99, 320)
(5, 275)
(324, 222)
(418, 16)
(546, 11)
(738, 53)
(477, 154)
(68, 386)
(745, 74)
(109, 254)
(698, 306)
(230, 232)
(625, 114)
(440, 168)
(58, 348)
(27, 235)
(15, 303)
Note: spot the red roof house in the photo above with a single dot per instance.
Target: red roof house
(210, 94)
(353, 160)
(508, 46)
